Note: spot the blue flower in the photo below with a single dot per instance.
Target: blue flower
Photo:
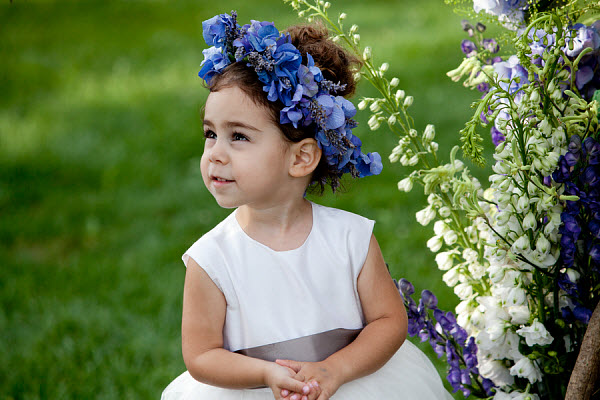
(257, 36)
(509, 70)
(215, 29)
(214, 63)
(369, 164)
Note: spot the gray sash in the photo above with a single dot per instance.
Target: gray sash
(310, 348)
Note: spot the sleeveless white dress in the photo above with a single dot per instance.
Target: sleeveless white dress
(266, 290)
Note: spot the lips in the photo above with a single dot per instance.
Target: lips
(219, 181)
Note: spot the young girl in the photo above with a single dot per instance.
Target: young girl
(286, 298)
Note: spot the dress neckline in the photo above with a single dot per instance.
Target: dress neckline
(251, 239)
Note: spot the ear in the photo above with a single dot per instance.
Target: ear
(306, 155)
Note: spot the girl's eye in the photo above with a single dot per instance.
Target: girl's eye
(210, 134)
(239, 136)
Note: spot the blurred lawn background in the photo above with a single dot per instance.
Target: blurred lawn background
(100, 188)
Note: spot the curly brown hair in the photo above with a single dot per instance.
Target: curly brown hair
(336, 64)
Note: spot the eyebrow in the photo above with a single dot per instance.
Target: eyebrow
(233, 124)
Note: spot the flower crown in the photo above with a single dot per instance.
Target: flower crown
(309, 99)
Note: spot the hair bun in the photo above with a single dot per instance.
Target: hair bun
(335, 62)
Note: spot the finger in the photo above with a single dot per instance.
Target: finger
(285, 393)
(315, 390)
(295, 365)
(295, 386)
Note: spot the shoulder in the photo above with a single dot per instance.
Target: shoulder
(337, 219)
(209, 247)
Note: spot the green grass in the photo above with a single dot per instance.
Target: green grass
(100, 189)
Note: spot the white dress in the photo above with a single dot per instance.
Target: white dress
(266, 291)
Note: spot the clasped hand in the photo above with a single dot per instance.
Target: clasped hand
(320, 383)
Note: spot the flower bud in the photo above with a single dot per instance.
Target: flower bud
(392, 119)
(400, 95)
(413, 160)
(326, 5)
(394, 82)
(522, 204)
(425, 216)
(429, 133)
(413, 133)
(374, 123)
(405, 185)
(435, 244)
(444, 212)
(521, 244)
(353, 29)
(367, 53)
(384, 67)
(374, 107)
(444, 260)
(451, 276)
(362, 104)
(573, 275)
(450, 237)
(408, 101)
(542, 244)
(463, 290)
(529, 221)
(356, 38)
(342, 16)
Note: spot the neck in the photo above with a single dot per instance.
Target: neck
(284, 226)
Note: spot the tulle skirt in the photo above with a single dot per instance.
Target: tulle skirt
(408, 375)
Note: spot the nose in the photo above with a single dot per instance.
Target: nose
(217, 152)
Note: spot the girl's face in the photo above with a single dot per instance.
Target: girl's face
(246, 159)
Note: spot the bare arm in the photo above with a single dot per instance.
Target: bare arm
(383, 335)
(204, 308)
(385, 316)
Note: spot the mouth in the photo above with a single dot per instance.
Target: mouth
(219, 180)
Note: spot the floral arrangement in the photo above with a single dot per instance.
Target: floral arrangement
(309, 99)
(522, 255)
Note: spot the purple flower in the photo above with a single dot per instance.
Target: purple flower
(582, 314)
(581, 37)
(590, 176)
(497, 136)
(468, 47)
(592, 150)
(571, 158)
(490, 45)
(563, 172)
(570, 224)
(575, 144)
(595, 252)
(406, 288)
(429, 299)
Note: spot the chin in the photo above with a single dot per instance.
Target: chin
(226, 204)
